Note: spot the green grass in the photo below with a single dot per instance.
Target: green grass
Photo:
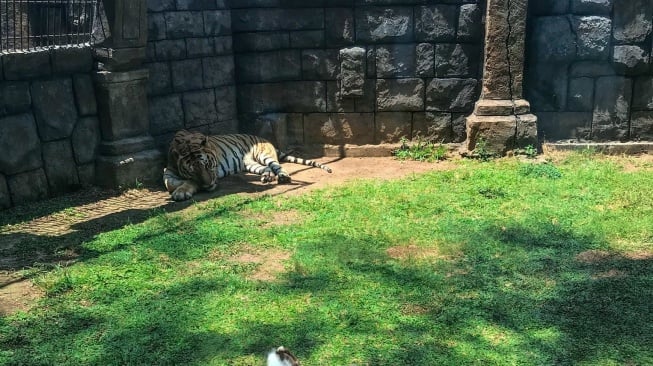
(505, 264)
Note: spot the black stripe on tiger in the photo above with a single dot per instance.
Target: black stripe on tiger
(293, 159)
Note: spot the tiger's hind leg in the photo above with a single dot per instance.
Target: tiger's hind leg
(252, 166)
(282, 176)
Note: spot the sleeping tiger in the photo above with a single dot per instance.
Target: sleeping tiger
(196, 161)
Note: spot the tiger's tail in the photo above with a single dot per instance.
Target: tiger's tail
(283, 157)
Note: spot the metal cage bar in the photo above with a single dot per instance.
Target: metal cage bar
(29, 25)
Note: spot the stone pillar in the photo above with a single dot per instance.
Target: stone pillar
(127, 153)
(502, 117)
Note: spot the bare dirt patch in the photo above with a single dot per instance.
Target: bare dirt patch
(414, 252)
(270, 263)
(276, 218)
(17, 294)
(593, 256)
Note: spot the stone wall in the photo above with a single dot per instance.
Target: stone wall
(356, 71)
(191, 65)
(49, 130)
(590, 69)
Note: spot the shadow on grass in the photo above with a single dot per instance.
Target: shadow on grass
(524, 295)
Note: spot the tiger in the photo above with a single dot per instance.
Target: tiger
(282, 357)
(196, 161)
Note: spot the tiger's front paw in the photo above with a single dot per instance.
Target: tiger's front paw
(182, 193)
(267, 178)
(284, 178)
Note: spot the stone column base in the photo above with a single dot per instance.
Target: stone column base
(501, 125)
(130, 170)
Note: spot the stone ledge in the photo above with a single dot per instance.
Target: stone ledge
(610, 148)
(356, 151)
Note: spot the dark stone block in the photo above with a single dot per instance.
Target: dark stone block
(395, 60)
(320, 64)
(295, 96)
(593, 36)
(218, 71)
(581, 94)
(250, 20)
(156, 26)
(556, 28)
(14, 97)
(339, 128)
(196, 4)
(371, 62)
(225, 102)
(335, 100)
(187, 75)
(547, 87)
(459, 127)
(591, 69)
(643, 93)
(159, 81)
(71, 60)
(339, 28)
(181, 24)
(400, 94)
(307, 39)
(22, 66)
(633, 20)
(28, 187)
(217, 23)
(170, 49)
(432, 126)
(457, 60)
(223, 45)
(425, 59)
(564, 125)
(387, 24)
(352, 71)
(86, 139)
(470, 26)
(269, 66)
(591, 7)
(641, 126)
(84, 94)
(611, 108)
(367, 102)
(436, 23)
(5, 198)
(86, 174)
(392, 126)
(166, 114)
(18, 135)
(60, 166)
(199, 108)
(160, 5)
(549, 7)
(451, 95)
(54, 108)
(630, 60)
(302, 19)
(199, 47)
(246, 42)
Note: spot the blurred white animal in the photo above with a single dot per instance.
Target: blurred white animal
(282, 357)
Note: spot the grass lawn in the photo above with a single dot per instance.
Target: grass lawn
(490, 263)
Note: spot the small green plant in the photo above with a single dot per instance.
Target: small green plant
(529, 151)
(421, 150)
(546, 170)
(482, 152)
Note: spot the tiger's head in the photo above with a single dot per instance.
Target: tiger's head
(194, 158)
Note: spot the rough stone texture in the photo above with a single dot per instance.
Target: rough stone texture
(339, 128)
(395, 60)
(199, 108)
(392, 126)
(5, 198)
(549, 7)
(630, 60)
(217, 23)
(245, 42)
(470, 27)
(433, 126)
(25, 66)
(352, 71)
(28, 187)
(456, 60)
(641, 126)
(71, 60)
(174, 49)
(400, 94)
(86, 174)
(54, 108)
(384, 24)
(60, 166)
(218, 71)
(336, 102)
(591, 6)
(548, 87)
(501, 133)
(320, 64)
(84, 95)
(591, 69)
(199, 47)
(20, 142)
(451, 95)
(556, 28)
(425, 60)
(632, 20)
(269, 66)
(186, 75)
(166, 113)
(14, 97)
(183, 24)
(581, 94)
(339, 26)
(643, 93)
(593, 34)
(435, 23)
(85, 139)
(565, 125)
(611, 108)
(295, 96)
(307, 39)
(160, 80)
(225, 101)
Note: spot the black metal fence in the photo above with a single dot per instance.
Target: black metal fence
(27, 25)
